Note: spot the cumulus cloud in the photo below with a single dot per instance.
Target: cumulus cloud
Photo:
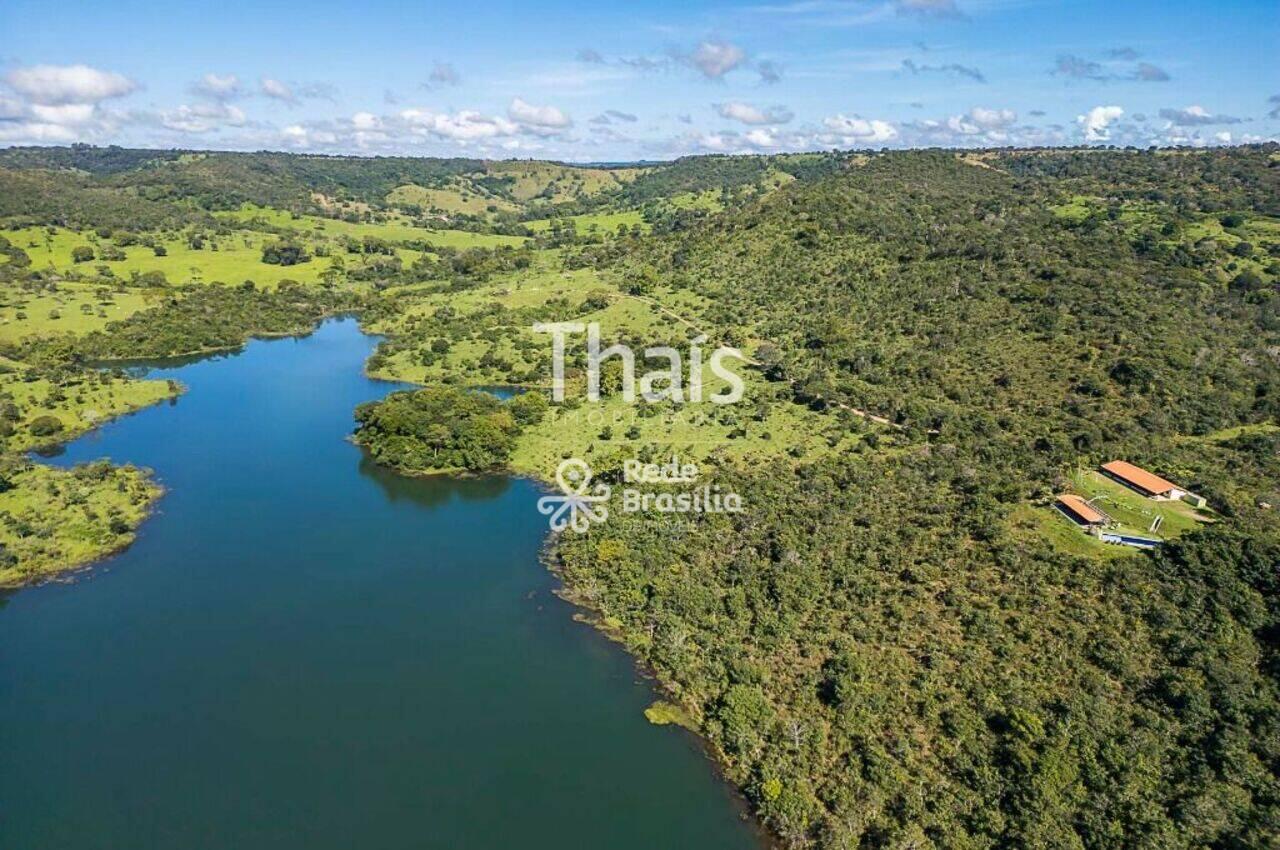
(1194, 116)
(203, 117)
(464, 126)
(980, 125)
(590, 56)
(982, 120)
(217, 87)
(1127, 54)
(1274, 100)
(277, 90)
(714, 59)
(1096, 122)
(293, 93)
(748, 114)
(59, 103)
(542, 119)
(856, 130)
(769, 72)
(53, 85)
(951, 68)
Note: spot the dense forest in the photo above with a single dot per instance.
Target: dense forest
(892, 646)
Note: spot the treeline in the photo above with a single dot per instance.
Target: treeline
(77, 201)
(198, 320)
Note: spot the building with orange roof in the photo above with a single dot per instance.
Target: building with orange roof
(1081, 512)
(1147, 483)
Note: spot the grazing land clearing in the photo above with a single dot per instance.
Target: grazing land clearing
(590, 224)
(556, 183)
(67, 307)
(397, 228)
(463, 198)
(230, 259)
(41, 411)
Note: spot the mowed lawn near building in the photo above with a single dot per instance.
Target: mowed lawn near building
(1130, 514)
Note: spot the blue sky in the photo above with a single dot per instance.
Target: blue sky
(625, 81)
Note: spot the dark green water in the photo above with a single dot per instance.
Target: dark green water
(304, 651)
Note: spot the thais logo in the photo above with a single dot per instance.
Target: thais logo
(679, 382)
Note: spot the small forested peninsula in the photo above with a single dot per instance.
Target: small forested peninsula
(903, 640)
(445, 429)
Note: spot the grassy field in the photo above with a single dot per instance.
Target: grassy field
(396, 229)
(708, 200)
(79, 403)
(66, 308)
(762, 426)
(603, 222)
(1131, 513)
(557, 183)
(463, 198)
(758, 428)
(229, 259)
(52, 520)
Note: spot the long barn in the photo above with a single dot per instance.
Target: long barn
(1147, 483)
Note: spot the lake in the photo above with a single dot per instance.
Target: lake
(305, 650)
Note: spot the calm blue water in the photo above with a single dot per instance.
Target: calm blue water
(303, 650)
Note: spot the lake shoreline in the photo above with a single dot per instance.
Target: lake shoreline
(579, 612)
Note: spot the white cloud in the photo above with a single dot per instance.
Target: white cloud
(538, 118)
(277, 90)
(54, 85)
(67, 114)
(366, 121)
(1195, 116)
(31, 131)
(217, 87)
(855, 130)
(748, 114)
(716, 58)
(203, 117)
(1096, 121)
(979, 121)
(761, 138)
(463, 126)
